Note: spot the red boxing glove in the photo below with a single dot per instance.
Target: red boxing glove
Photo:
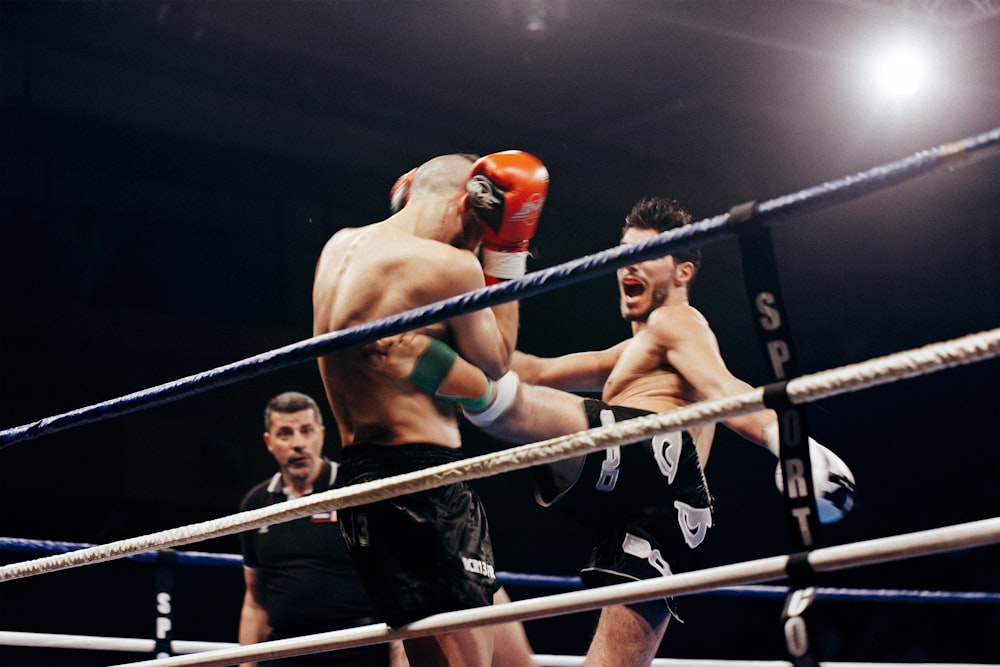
(507, 191)
(400, 191)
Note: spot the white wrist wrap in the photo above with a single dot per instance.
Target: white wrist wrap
(506, 392)
(504, 265)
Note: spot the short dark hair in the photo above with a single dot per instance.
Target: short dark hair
(289, 402)
(661, 214)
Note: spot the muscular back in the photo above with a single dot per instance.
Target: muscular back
(366, 274)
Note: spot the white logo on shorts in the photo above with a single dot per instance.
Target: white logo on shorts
(667, 452)
(476, 566)
(640, 548)
(612, 459)
(694, 522)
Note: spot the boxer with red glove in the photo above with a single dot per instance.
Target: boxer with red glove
(506, 191)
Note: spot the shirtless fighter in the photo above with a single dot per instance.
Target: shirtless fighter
(426, 552)
(648, 503)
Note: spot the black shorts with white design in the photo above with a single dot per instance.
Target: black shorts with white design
(647, 502)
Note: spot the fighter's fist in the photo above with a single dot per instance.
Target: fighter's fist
(833, 481)
(507, 191)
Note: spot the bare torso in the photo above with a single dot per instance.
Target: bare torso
(363, 275)
(643, 378)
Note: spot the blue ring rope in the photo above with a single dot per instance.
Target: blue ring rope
(689, 237)
(544, 580)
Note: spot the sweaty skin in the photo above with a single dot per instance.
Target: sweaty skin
(418, 256)
(642, 376)
(672, 360)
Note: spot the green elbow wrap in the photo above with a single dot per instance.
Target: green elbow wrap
(432, 367)
(477, 404)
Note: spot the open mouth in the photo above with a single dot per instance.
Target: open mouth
(632, 287)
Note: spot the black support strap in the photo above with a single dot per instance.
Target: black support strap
(799, 570)
(795, 626)
(741, 213)
(774, 333)
(795, 614)
(776, 396)
(164, 575)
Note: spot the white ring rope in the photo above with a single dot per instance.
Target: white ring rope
(179, 646)
(910, 545)
(878, 371)
(92, 643)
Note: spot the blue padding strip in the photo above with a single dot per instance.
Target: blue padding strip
(546, 580)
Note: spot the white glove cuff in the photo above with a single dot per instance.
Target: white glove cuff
(771, 438)
(772, 441)
(504, 265)
(506, 392)
(833, 481)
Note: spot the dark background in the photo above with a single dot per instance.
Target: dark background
(170, 171)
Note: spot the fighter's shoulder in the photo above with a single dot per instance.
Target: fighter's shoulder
(346, 234)
(338, 244)
(678, 321)
(446, 260)
(677, 314)
(387, 252)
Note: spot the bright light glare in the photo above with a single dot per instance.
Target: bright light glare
(901, 72)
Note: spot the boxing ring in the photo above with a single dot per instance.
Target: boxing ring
(194, 558)
(795, 390)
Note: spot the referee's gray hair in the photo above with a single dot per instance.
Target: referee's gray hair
(288, 402)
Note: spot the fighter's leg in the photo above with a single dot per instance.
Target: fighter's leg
(510, 642)
(521, 413)
(624, 638)
(463, 648)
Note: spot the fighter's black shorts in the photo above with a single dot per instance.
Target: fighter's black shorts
(647, 503)
(422, 553)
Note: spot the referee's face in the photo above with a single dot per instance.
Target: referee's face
(295, 439)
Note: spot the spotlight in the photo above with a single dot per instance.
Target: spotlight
(901, 72)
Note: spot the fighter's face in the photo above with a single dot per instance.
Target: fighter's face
(643, 287)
